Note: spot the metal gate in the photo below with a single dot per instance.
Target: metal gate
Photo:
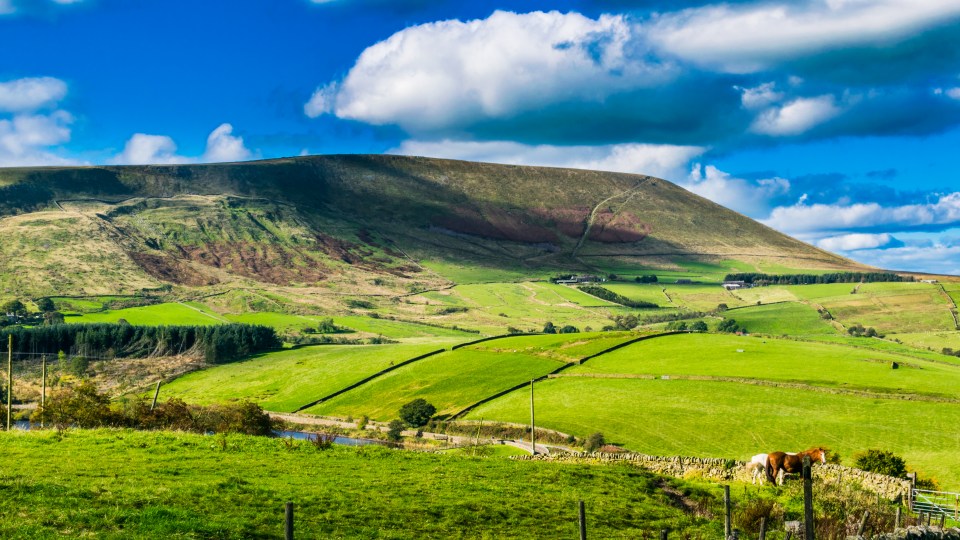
(936, 503)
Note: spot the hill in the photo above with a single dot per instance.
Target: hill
(314, 229)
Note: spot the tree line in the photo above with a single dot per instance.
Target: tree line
(812, 279)
(216, 344)
(610, 296)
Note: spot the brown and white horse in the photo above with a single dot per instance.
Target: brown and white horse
(791, 463)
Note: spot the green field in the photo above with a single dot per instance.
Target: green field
(789, 318)
(286, 380)
(562, 347)
(727, 419)
(92, 484)
(770, 359)
(450, 381)
(159, 314)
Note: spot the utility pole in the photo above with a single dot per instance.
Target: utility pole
(43, 392)
(9, 379)
(533, 428)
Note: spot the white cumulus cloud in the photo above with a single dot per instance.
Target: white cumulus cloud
(30, 94)
(855, 241)
(752, 198)
(663, 161)
(445, 73)
(802, 217)
(749, 37)
(144, 149)
(796, 117)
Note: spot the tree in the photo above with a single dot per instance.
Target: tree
(53, 317)
(722, 307)
(730, 325)
(45, 305)
(16, 307)
(417, 413)
(699, 326)
(881, 461)
(594, 442)
(395, 430)
(568, 329)
(549, 328)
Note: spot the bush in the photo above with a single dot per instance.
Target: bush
(417, 413)
(362, 423)
(699, 326)
(549, 328)
(395, 430)
(81, 406)
(568, 329)
(882, 462)
(731, 326)
(594, 442)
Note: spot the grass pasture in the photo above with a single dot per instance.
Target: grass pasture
(728, 419)
(286, 380)
(233, 487)
(787, 318)
(777, 360)
(173, 313)
(450, 381)
(562, 347)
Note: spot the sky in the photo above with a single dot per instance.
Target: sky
(834, 121)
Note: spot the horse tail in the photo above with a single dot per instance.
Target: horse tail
(770, 470)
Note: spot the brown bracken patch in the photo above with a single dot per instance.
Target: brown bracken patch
(612, 228)
(497, 224)
(166, 268)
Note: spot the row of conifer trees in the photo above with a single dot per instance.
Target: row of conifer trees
(217, 344)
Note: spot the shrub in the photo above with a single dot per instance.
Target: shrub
(731, 326)
(362, 423)
(549, 328)
(568, 329)
(594, 442)
(699, 326)
(881, 461)
(395, 430)
(45, 305)
(81, 406)
(417, 413)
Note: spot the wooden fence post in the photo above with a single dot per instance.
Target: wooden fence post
(726, 512)
(763, 528)
(583, 521)
(663, 534)
(896, 520)
(808, 529)
(156, 394)
(863, 523)
(533, 427)
(912, 476)
(9, 379)
(288, 521)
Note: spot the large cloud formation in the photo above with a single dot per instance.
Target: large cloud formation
(712, 75)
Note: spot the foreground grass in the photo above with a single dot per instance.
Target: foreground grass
(92, 483)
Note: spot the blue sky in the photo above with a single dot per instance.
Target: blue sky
(836, 121)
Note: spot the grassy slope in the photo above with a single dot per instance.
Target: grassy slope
(715, 419)
(777, 360)
(450, 381)
(790, 318)
(235, 487)
(287, 380)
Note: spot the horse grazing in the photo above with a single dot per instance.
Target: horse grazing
(757, 467)
(791, 463)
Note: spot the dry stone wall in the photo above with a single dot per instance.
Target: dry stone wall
(723, 470)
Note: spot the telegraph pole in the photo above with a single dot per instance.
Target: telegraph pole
(533, 429)
(9, 379)
(43, 393)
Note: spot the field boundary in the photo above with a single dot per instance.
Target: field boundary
(491, 338)
(568, 365)
(368, 379)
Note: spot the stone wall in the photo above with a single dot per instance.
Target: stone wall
(723, 470)
(916, 533)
